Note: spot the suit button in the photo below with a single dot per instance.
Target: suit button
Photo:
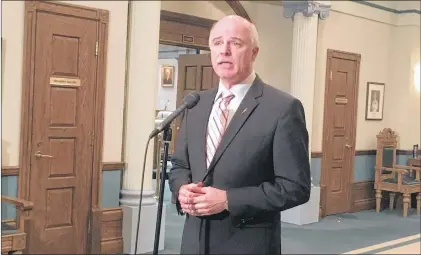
(243, 220)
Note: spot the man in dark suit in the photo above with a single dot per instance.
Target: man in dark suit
(241, 155)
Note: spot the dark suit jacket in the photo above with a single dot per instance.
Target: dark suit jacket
(262, 162)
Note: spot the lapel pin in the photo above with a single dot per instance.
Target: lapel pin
(244, 111)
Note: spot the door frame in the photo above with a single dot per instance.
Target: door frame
(101, 17)
(323, 182)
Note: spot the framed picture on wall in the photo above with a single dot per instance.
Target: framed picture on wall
(375, 101)
(167, 76)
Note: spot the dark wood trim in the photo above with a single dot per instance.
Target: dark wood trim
(109, 166)
(195, 28)
(319, 154)
(238, 9)
(406, 152)
(365, 152)
(9, 171)
(316, 154)
(186, 19)
(106, 166)
(102, 18)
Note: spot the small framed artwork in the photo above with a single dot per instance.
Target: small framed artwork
(167, 76)
(375, 101)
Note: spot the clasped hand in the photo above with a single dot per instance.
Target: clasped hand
(197, 200)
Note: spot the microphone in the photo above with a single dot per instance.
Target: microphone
(189, 102)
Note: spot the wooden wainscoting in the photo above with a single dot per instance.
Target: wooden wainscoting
(107, 224)
(107, 231)
(112, 231)
(364, 196)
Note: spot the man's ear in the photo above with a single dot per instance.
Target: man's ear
(255, 52)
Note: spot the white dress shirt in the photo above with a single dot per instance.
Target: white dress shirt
(239, 91)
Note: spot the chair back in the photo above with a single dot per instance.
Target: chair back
(387, 144)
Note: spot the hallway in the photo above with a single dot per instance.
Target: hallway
(364, 232)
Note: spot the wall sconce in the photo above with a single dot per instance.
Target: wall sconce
(417, 70)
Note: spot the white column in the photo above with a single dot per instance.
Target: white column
(305, 15)
(144, 23)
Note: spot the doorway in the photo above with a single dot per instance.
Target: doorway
(339, 130)
(62, 112)
(184, 58)
(181, 71)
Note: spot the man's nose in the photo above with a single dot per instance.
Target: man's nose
(225, 49)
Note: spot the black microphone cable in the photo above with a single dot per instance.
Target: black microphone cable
(189, 101)
(141, 195)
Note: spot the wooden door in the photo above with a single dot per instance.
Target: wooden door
(61, 155)
(340, 117)
(195, 73)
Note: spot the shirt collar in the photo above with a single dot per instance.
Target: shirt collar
(239, 90)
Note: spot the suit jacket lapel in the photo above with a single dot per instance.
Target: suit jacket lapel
(243, 112)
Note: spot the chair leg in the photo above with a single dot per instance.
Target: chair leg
(391, 200)
(406, 200)
(419, 203)
(378, 199)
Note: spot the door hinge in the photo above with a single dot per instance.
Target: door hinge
(96, 49)
(330, 75)
(89, 226)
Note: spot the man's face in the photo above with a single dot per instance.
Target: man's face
(232, 50)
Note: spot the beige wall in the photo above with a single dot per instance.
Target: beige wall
(205, 9)
(388, 44)
(12, 33)
(388, 53)
(273, 63)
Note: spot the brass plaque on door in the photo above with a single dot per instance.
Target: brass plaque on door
(341, 100)
(71, 82)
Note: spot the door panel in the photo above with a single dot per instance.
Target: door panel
(63, 125)
(195, 73)
(339, 131)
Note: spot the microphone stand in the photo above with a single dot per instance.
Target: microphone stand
(166, 139)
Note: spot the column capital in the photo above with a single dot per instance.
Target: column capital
(308, 8)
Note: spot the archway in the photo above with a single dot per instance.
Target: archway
(238, 8)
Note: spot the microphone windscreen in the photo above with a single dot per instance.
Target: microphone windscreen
(191, 99)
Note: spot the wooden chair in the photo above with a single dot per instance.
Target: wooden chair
(13, 236)
(392, 177)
